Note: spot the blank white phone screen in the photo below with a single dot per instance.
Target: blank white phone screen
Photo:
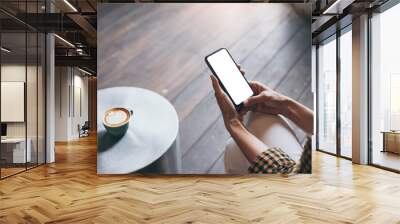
(230, 76)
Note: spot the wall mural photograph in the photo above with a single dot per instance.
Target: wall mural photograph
(204, 88)
(160, 111)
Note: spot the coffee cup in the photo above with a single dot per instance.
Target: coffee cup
(116, 120)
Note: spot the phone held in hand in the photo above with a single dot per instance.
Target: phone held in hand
(231, 79)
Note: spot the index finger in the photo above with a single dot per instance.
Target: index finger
(240, 69)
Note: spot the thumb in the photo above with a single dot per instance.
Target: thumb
(215, 84)
(254, 100)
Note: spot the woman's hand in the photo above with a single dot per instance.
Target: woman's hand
(228, 110)
(265, 100)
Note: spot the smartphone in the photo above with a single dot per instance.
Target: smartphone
(231, 79)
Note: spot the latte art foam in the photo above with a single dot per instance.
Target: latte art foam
(116, 117)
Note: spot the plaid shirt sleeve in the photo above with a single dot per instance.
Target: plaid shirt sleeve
(272, 161)
(275, 160)
(305, 165)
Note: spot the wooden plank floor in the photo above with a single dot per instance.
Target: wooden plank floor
(162, 48)
(70, 191)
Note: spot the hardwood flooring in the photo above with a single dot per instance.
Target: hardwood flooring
(7, 171)
(387, 159)
(12, 169)
(70, 191)
(161, 47)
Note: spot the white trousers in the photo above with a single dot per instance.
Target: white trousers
(273, 130)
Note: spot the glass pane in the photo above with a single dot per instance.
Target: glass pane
(31, 88)
(41, 98)
(31, 98)
(13, 87)
(346, 94)
(385, 84)
(327, 96)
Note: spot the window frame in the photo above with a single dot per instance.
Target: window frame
(381, 9)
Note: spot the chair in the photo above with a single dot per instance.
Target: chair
(84, 130)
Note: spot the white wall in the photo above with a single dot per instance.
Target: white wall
(70, 83)
(62, 81)
(81, 103)
(33, 127)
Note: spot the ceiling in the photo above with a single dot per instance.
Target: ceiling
(22, 22)
(76, 22)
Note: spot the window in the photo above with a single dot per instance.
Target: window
(334, 106)
(385, 89)
(346, 93)
(327, 96)
(22, 66)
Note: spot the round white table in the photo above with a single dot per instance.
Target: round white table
(151, 143)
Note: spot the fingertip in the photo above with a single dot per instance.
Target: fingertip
(213, 82)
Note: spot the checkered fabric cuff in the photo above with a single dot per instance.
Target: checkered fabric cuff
(305, 165)
(272, 161)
